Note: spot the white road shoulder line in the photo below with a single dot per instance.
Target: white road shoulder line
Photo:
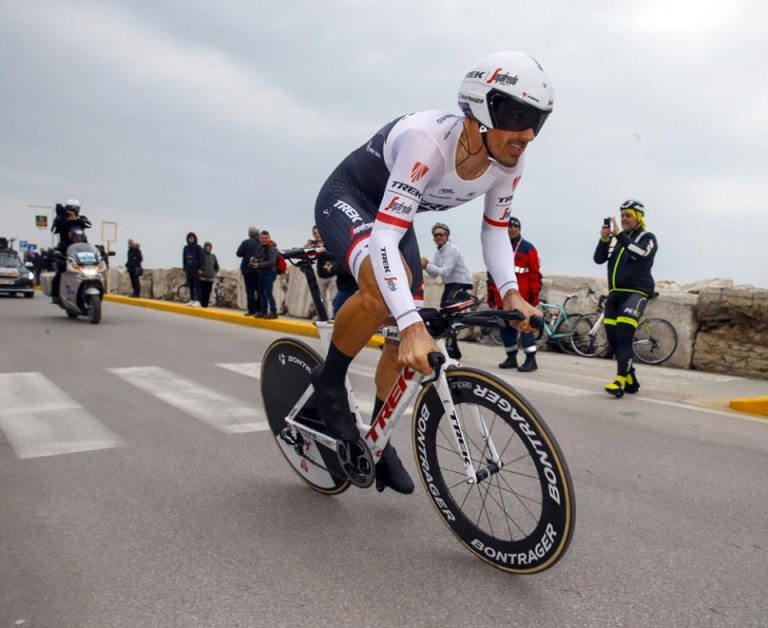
(39, 419)
(226, 414)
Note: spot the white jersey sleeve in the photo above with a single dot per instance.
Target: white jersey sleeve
(498, 255)
(417, 162)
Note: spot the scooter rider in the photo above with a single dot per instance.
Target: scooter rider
(67, 219)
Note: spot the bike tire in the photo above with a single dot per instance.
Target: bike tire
(533, 530)
(285, 369)
(94, 309)
(495, 336)
(655, 341)
(585, 344)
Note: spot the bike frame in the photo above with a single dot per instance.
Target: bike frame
(400, 396)
(562, 316)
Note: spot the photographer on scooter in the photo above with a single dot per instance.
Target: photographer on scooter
(67, 218)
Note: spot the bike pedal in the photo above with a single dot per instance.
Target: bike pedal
(356, 462)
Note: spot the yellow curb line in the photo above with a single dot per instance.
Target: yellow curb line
(228, 316)
(751, 405)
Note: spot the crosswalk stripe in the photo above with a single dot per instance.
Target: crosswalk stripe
(225, 413)
(39, 419)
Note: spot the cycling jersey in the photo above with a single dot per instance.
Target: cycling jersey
(409, 166)
(630, 259)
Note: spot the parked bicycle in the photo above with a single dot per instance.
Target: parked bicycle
(654, 342)
(489, 464)
(557, 325)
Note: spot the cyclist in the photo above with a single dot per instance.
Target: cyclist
(630, 252)
(430, 160)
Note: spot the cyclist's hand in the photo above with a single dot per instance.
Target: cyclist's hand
(514, 301)
(415, 345)
(616, 229)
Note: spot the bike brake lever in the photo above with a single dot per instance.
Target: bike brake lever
(436, 361)
(537, 322)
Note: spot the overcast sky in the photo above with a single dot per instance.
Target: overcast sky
(169, 117)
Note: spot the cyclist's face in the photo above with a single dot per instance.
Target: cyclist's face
(508, 146)
(628, 221)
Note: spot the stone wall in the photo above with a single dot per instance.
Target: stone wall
(720, 328)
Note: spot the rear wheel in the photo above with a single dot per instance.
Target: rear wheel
(519, 516)
(655, 341)
(93, 305)
(588, 338)
(285, 370)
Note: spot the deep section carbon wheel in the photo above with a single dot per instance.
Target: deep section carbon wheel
(518, 513)
(285, 370)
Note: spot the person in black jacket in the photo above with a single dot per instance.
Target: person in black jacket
(630, 252)
(67, 218)
(267, 267)
(250, 251)
(133, 266)
(193, 260)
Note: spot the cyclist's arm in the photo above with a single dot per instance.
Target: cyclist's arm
(646, 247)
(417, 162)
(498, 255)
(601, 251)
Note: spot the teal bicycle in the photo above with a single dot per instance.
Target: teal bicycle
(558, 325)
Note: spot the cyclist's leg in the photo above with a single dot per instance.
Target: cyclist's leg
(631, 310)
(615, 387)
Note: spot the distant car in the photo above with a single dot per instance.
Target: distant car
(15, 276)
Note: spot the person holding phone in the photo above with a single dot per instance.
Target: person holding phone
(630, 252)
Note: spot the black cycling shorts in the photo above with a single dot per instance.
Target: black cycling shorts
(344, 217)
(624, 307)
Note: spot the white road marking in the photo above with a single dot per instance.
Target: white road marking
(225, 413)
(546, 387)
(39, 419)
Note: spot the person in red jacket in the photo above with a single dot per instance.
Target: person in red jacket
(529, 284)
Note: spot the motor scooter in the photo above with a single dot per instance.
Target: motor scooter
(81, 288)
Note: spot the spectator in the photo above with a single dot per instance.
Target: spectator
(448, 264)
(193, 259)
(346, 286)
(210, 270)
(315, 240)
(327, 268)
(103, 252)
(67, 218)
(267, 267)
(250, 251)
(630, 253)
(134, 268)
(528, 275)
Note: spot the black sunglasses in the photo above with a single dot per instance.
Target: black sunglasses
(508, 114)
(439, 235)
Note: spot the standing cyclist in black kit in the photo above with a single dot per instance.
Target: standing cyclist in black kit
(629, 253)
(425, 161)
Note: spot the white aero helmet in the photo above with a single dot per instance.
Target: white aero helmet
(73, 203)
(508, 91)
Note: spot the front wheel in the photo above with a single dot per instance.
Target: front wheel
(285, 370)
(93, 304)
(519, 516)
(655, 341)
(588, 337)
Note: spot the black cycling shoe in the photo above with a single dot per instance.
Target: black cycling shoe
(632, 385)
(391, 473)
(333, 408)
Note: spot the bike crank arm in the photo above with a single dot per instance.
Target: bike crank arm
(308, 432)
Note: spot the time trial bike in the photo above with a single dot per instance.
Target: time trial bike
(488, 462)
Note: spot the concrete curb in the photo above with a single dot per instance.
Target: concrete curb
(750, 405)
(285, 325)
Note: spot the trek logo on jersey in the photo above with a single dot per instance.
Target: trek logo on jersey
(418, 171)
(503, 200)
(385, 260)
(432, 207)
(398, 208)
(407, 188)
(504, 79)
(350, 211)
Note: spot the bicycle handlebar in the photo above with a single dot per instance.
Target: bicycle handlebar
(301, 252)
